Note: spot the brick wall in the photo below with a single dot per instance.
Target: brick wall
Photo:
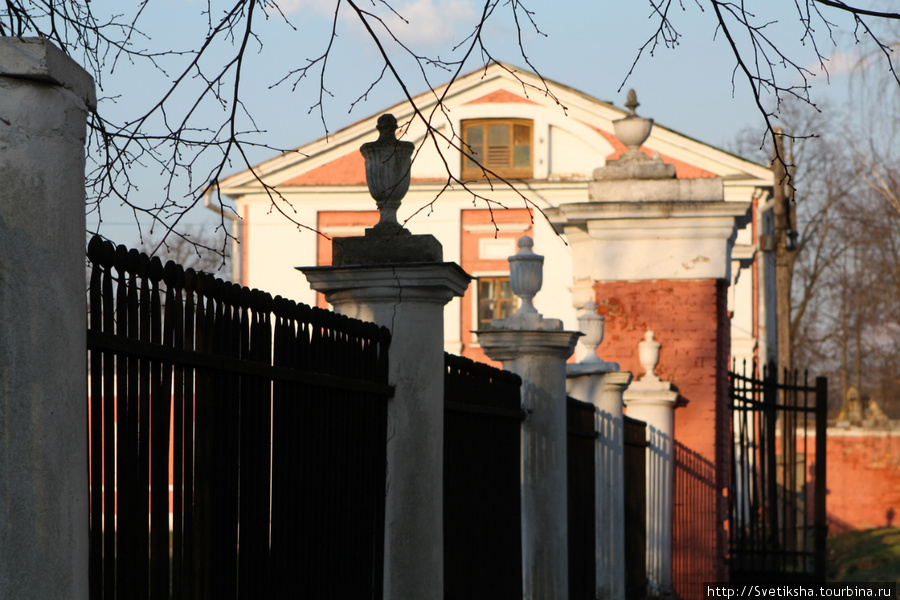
(863, 482)
(691, 322)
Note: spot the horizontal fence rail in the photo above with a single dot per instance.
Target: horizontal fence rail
(777, 495)
(482, 498)
(237, 441)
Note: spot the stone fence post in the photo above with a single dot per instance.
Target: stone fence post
(398, 280)
(652, 400)
(602, 383)
(44, 99)
(536, 349)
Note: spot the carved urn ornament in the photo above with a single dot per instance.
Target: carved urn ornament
(526, 275)
(633, 130)
(591, 325)
(388, 162)
(648, 354)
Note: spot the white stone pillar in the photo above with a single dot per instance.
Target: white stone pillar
(652, 400)
(44, 514)
(409, 300)
(602, 384)
(536, 349)
(398, 280)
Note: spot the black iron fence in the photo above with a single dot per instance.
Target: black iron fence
(635, 475)
(581, 450)
(482, 497)
(237, 441)
(777, 495)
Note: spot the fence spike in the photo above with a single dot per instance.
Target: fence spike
(266, 303)
(133, 262)
(121, 259)
(96, 249)
(245, 296)
(217, 288)
(154, 268)
(172, 274)
(190, 280)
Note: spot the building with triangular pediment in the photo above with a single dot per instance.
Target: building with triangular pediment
(664, 236)
(546, 145)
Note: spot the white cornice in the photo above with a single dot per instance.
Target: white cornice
(641, 241)
(582, 212)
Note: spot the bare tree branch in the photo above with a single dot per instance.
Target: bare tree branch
(199, 127)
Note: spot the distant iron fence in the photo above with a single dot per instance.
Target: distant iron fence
(482, 496)
(237, 441)
(693, 531)
(777, 496)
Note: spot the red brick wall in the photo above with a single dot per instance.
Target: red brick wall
(863, 480)
(690, 320)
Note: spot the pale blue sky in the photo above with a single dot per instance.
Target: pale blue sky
(589, 45)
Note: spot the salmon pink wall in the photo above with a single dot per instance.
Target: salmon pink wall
(863, 479)
(345, 218)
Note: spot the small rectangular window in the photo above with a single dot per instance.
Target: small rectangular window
(495, 300)
(499, 145)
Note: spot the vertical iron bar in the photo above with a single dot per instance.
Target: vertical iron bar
(160, 403)
(225, 444)
(203, 453)
(174, 338)
(143, 543)
(254, 451)
(803, 498)
(217, 494)
(125, 496)
(189, 424)
(283, 343)
(95, 359)
(109, 449)
(132, 517)
(820, 523)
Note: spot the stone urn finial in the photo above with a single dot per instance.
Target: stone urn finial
(631, 102)
(591, 325)
(633, 130)
(526, 273)
(648, 354)
(388, 162)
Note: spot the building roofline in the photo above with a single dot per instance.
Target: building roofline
(237, 184)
